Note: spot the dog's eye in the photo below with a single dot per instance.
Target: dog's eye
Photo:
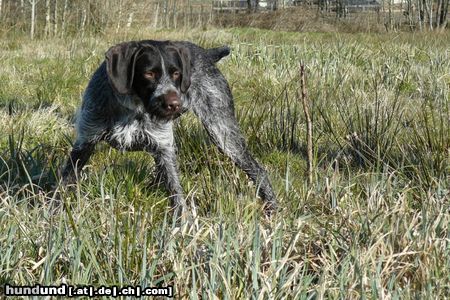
(150, 75)
(176, 75)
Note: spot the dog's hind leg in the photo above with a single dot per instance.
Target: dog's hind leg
(216, 112)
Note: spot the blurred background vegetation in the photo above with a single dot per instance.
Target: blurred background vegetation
(61, 17)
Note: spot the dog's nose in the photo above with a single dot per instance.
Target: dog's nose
(173, 102)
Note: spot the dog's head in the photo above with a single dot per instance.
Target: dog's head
(157, 72)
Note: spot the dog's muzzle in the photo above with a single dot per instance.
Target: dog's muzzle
(172, 102)
(167, 105)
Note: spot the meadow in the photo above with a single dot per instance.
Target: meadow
(374, 223)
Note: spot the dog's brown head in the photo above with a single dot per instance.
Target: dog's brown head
(157, 72)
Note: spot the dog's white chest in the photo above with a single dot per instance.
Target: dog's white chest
(141, 132)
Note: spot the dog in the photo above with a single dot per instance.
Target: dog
(136, 94)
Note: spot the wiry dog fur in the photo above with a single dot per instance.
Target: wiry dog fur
(137, 92)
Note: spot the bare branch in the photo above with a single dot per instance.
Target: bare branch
(309, 145)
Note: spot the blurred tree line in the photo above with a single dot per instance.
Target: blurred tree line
(47, 18)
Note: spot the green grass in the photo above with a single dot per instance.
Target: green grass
(375, 223)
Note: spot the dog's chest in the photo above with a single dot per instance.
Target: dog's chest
(140, 132)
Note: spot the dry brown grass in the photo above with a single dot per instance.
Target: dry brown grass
(302, 19)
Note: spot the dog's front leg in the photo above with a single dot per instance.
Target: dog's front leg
(167, 174)
(78, 158)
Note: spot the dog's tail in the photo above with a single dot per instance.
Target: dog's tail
(216, 54)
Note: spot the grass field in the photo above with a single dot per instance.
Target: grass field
(374, 224)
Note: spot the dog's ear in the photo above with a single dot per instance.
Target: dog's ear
(185, 56)
(120, 62)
